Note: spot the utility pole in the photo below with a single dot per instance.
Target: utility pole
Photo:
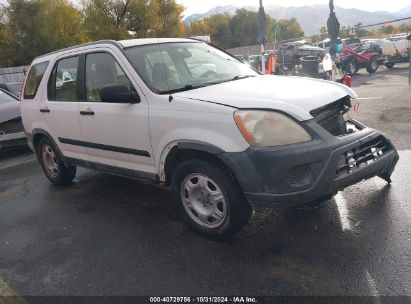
(333, 27)
(262, 33)
(409, 57)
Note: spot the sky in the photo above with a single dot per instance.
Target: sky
(202, 6)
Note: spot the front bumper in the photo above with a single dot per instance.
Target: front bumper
(303, 174)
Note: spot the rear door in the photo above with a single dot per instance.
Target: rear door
(61, 110)
(115, 133)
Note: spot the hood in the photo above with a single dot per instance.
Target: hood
(9, 111)
(296, 96)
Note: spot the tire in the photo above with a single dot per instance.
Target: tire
(372, 66)
(53, 166)
(194, 183)
(390, 65)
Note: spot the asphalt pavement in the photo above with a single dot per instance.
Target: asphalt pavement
(107, 235)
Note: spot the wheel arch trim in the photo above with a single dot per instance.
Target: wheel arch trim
(184, 145)
(43, 132)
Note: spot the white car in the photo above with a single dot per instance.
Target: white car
(223, 139)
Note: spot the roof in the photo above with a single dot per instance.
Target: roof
(137, 42)
(121, 43)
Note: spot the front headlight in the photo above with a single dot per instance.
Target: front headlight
(269, 129)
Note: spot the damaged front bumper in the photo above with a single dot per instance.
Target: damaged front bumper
(303, 174)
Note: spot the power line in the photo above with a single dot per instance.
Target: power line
(353, 28)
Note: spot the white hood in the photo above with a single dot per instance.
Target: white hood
(296, 96)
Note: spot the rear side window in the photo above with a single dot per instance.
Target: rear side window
(34, 78)
(62, 85)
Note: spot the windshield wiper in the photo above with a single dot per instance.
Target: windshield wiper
(238, 77)
(185, 88)
(202, 85)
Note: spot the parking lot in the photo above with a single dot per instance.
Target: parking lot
(107, 235)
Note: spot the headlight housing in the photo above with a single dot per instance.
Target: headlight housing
(269, 129)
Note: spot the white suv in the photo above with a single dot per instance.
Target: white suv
(189, 116)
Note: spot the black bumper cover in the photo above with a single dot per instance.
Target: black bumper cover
(303, 174)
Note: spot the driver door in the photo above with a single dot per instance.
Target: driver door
(115, 133)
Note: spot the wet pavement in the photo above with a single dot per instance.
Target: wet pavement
(108, 235)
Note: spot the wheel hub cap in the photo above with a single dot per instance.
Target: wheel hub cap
(203, 200)
(50, 161)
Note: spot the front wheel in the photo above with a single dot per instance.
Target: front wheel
(53, 166)
(209, 200)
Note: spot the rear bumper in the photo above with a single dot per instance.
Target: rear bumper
(12, 140)
(303, 174)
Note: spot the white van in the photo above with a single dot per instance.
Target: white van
(191, 117)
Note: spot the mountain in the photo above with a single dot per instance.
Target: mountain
(230, 9)
(311, 18)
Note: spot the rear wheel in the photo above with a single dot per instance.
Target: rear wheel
(209, 200)
(53, 166)
(372, 66)
(390, 65)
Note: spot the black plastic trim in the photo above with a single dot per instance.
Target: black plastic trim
(87, 113)
(104, 147)
(31, 136)
(199, 147)
(81, 78)
(113, 170)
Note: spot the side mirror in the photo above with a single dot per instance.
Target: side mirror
(118, 93)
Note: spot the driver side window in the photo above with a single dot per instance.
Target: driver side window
(101, 70)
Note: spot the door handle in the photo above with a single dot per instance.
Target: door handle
(87, 113)
(45, 110)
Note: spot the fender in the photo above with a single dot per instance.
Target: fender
(45, 133)
(185, 145)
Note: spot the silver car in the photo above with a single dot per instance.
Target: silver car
(11, 129)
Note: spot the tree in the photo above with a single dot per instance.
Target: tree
(389, 29)
(106, 19)
(121, 19)
(199, 28)
(169, 20)
(241, 29)
(288, 29)
(35, 27)
(6, 44)
(244, 28)
(361, 32)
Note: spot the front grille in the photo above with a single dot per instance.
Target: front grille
(363, 155)
(331, 117)
(11, 126)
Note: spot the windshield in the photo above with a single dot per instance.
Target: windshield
(183, 66)
(5, 98)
